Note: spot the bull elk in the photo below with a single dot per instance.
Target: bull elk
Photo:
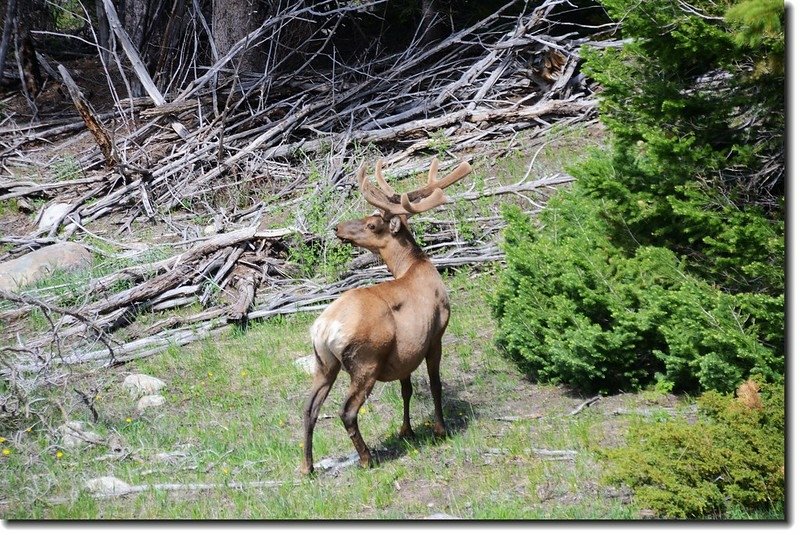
(383, 332)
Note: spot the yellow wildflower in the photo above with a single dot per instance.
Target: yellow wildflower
(59, 454)
(6, 451)
(2, 439)
(128, 420)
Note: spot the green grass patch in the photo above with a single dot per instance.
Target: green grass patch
(234, 413)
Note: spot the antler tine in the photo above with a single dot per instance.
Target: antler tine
(463, 169)
(385, 187)
(426, 198)
(434, 170)
(455, 175)
(431, 201)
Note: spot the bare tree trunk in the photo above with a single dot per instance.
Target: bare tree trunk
(32, 75)
(231, 21)
(135, 19)
(432, 23)
(8, 26)
(103, 31)
(137, 14)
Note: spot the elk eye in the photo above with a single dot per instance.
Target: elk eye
(371, 226)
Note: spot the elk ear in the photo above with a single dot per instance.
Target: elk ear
(395, 223)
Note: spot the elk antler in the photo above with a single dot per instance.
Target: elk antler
(414, 202)
(386, 188)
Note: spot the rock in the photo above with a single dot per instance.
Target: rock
(24, 206)
(51, 214)
(39, 264)
(210, 230)
(172, 457)
(329, 463)
(74, 434)
(139, 384)
(116, 444)
(107, 485)
(149, 402)
(214, 228)
(307, 364)
(441, 516)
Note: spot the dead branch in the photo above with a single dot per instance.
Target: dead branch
(585, 404)
(89, 117)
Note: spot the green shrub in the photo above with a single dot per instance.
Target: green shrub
(561, 314)
(730, 460)
(666, 261)
(574, 308)
(695, 104)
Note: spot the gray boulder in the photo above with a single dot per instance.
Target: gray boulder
(149, 402)
(139, 384)
(39, 264)
(308, 364)
(74, 434)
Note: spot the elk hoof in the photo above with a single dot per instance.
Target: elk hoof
(439, 431)
(306, 470)
(366, 462)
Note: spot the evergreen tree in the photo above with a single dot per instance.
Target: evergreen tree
(666, 260)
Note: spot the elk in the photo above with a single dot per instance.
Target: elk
(383, 332)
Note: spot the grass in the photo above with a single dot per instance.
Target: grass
(234, 411)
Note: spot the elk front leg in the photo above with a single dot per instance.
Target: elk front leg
(324, 376)
(432, 360)
(407, 390)
(360, 387)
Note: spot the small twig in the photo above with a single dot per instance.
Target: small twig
(89, 402)
(534, 416)
(585, 404)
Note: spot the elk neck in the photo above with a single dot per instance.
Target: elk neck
(401, 254)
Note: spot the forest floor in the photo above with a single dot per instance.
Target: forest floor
(515, 450)
(227, 442)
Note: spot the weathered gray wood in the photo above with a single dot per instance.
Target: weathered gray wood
(8, 27)
(138, 65)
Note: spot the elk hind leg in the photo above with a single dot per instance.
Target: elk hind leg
(360, 388)
(432, 360)
(407, 390)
